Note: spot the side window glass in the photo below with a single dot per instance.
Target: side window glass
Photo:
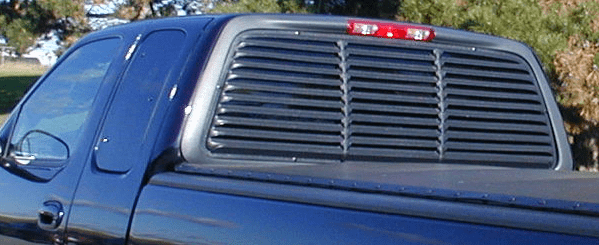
(54, 115)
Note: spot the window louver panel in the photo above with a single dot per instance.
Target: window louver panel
(495, 112)
(392, 88)
(318, 97)
(281, 98)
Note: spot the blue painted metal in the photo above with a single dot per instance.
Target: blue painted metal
(475, 212)
(170, 215)
(354, 183)
(22, 195)
(134, 106)
(142, 126)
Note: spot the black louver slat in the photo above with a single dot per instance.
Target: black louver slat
(499, 105)
(476, 126)
(314, 97)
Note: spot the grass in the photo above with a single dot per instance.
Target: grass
(15, 78)
(3, 118)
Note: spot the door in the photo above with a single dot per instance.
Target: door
(46, 141)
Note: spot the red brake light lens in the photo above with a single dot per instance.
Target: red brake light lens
(390, 30)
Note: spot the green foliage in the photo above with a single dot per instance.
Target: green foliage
(19, 34)
(385, 9)
(563, 36)
(435, 12)
(21, 21)
(260, 6)
(62, 8)
(524, 20)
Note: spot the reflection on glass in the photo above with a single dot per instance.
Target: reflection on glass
(41, 145)
(61, 104)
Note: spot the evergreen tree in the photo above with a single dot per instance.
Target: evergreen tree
(386, 9)
(365, 8)
(21, 21)
(260, 6)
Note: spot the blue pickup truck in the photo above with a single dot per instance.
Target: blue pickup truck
(292, 129)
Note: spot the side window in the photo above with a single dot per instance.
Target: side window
(52, 118)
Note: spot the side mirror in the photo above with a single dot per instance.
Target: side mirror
(38, 156)
(38, 144)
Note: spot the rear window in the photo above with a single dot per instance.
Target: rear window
(337, 98)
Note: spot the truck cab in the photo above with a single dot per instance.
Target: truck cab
(301, 129)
